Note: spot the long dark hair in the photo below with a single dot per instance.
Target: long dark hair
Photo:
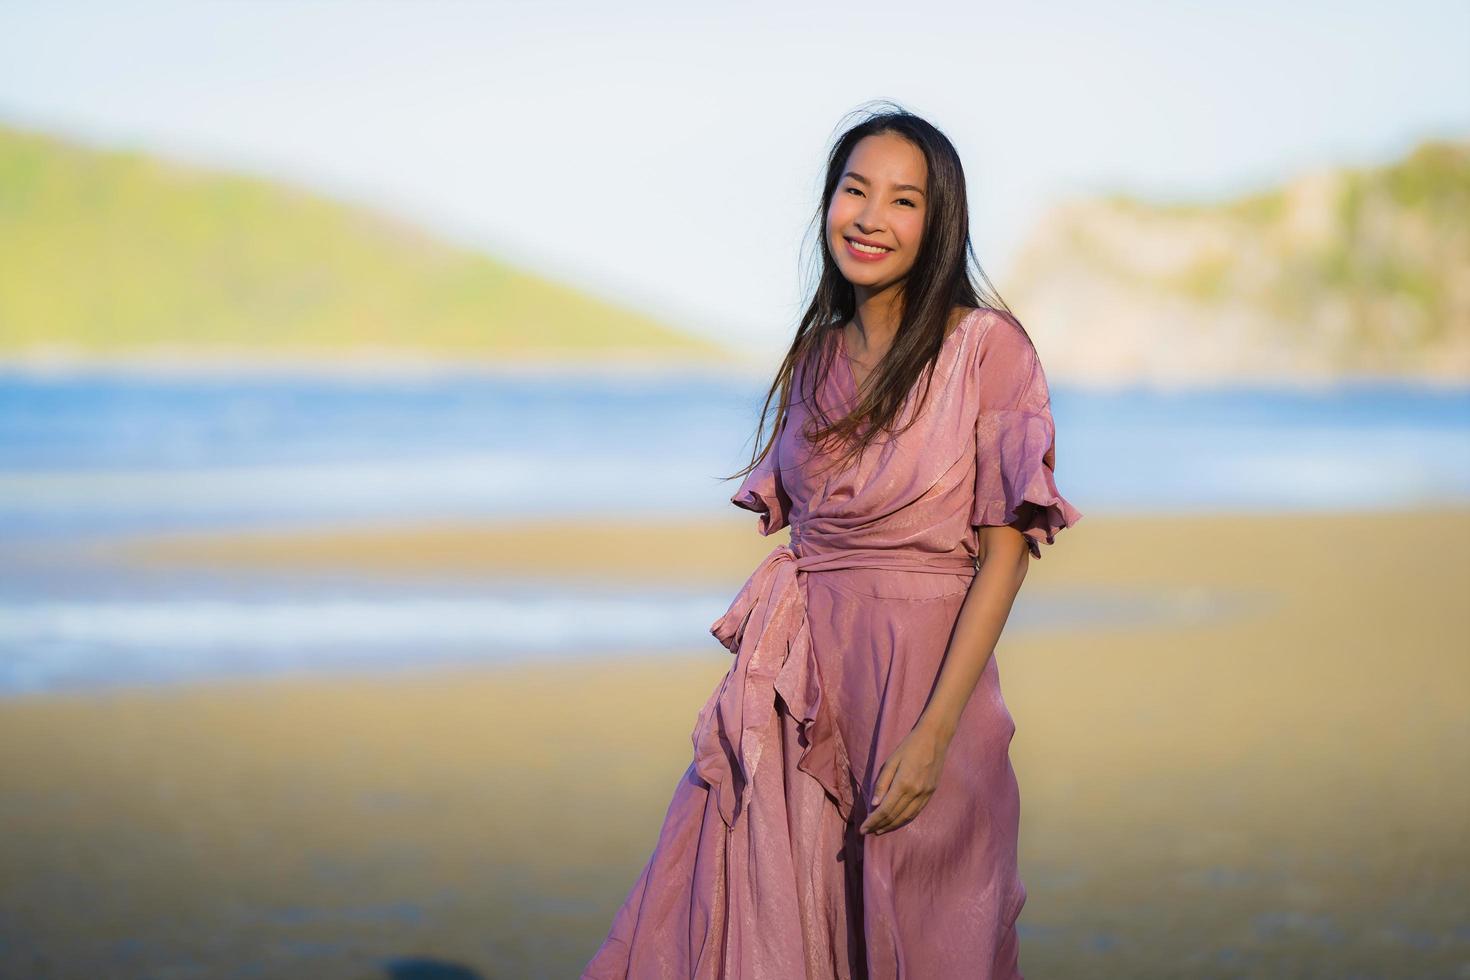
(939, 281)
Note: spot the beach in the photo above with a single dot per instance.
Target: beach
(1273, 788)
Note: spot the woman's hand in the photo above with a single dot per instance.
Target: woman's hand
(907, 779)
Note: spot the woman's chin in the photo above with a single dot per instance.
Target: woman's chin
(865, 276)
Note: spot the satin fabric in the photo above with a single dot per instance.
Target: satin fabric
(759, 872)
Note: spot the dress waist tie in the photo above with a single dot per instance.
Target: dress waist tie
(766, 628)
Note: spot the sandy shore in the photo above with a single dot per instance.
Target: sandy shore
(1282, 794)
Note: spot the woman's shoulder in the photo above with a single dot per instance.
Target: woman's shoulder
(991, 338)
(995, 326)
(1005, 366)
(999, 337)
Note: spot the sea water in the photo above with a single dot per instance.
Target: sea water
(96, 457)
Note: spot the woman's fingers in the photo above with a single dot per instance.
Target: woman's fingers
(910, 811)
(881, 818)
(883, 801)
(896, 800)
(901, 807)
(882, 815)
(896, 803)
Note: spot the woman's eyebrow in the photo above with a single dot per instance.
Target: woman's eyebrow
(901, 187)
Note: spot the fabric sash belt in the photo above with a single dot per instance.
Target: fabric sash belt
(766, 628)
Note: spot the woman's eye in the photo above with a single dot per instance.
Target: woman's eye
(901, 200)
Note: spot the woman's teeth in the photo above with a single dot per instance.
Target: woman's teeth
(870, 249)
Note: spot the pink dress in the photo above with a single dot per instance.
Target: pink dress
(759, 872)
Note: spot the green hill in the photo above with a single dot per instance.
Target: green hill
(116, 252)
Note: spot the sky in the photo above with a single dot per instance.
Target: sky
(668, 157)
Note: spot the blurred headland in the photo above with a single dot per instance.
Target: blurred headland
(1360, 272)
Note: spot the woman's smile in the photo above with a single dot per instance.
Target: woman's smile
(866, 253)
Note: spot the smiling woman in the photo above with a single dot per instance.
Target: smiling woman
(861, 247)
(851, 810)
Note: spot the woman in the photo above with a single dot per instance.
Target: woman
(851, 811)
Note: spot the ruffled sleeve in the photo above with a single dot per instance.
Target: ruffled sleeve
(1015, 441)
(762, 492)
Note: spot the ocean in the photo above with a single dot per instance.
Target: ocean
(91, 457)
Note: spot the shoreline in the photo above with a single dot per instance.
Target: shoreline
(715, 549)
(394, 365)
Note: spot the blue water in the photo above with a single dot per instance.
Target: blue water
(87, 458)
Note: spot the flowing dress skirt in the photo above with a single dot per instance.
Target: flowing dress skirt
(792, 890)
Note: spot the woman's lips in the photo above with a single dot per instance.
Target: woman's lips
(862, 256)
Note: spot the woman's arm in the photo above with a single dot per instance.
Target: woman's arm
(910, 775)
(1004, 559)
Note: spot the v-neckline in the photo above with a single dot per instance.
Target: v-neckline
(852, 381)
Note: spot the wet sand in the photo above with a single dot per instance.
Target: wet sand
(1281, 794)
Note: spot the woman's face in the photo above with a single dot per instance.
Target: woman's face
(879, 201)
